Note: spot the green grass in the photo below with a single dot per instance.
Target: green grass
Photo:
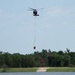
(20, 70)
(61, 69)
(50, 69)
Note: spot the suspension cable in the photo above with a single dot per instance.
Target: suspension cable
(35, 33)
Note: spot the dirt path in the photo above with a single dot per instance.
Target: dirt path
(42, 69)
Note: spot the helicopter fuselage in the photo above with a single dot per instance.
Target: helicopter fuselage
(35, 13)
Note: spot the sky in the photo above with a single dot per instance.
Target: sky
(55, 27)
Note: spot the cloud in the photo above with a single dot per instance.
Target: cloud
(58, 11)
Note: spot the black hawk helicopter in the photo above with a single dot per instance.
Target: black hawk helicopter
(35, 13)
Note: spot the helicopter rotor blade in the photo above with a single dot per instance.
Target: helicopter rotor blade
(40, 9)
(29, 10)
(32, 9)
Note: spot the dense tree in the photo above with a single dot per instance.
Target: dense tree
(72, 58)
(1, 59)
(55, 60)
(38, 59)
(60, 52)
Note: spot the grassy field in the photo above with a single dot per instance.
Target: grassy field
(50, 69)
(61, 69)
(20, 70)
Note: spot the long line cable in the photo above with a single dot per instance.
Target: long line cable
(35, 33)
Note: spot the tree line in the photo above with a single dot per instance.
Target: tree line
(45, 58)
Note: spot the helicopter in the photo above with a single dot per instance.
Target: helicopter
(35, 13)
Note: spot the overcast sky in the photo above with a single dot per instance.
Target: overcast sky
(55, 27)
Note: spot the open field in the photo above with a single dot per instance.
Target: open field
(48, 69)
(61, 69)
(20, 70)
